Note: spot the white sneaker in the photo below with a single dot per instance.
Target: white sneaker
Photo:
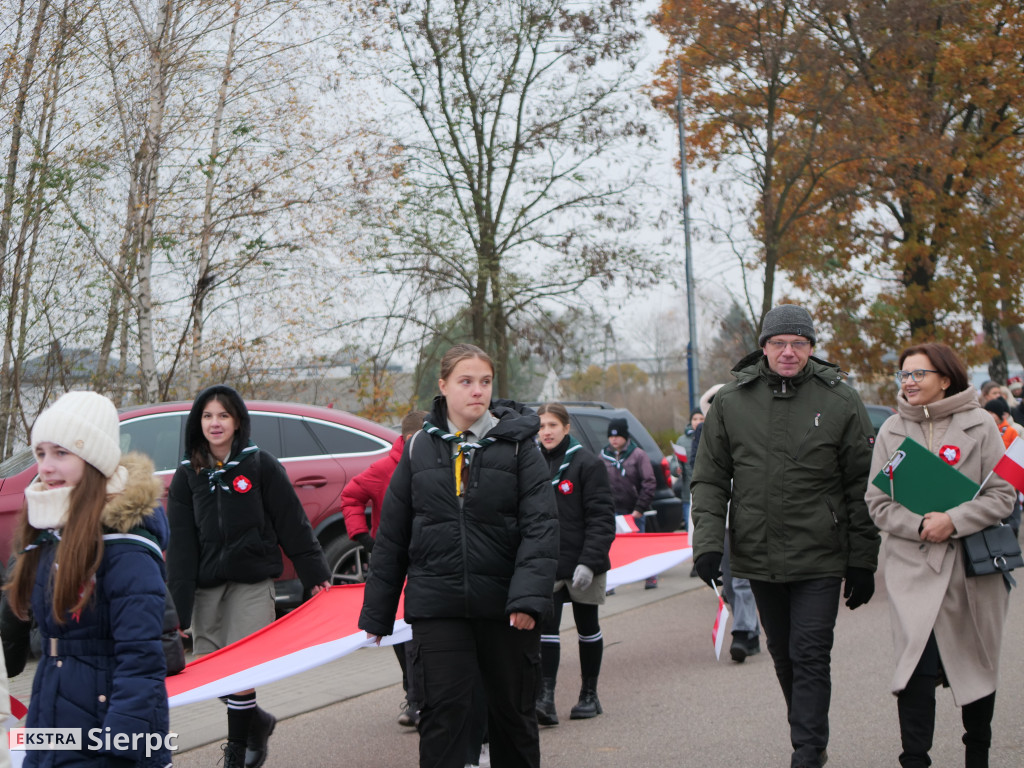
(485, 756)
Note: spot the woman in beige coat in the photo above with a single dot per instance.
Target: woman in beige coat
(946, 627)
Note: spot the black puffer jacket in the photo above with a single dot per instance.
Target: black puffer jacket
(586, 515)
(488, 555)
(219, 535)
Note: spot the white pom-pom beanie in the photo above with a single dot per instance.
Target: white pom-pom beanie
(86, 424)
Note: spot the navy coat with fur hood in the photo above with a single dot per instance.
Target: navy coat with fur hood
(104, 670)
(486, 555)
(232, 528)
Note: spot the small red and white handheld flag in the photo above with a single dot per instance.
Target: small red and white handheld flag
(680, 452)
(721, 619)
(1011, 466)
(626, 524)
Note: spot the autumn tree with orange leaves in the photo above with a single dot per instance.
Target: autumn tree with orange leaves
(897, 123)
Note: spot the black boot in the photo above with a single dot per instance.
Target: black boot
(916, 706)
(234, 754)
(260, 728)
(977, 719)
(588, 705)
(546, 714)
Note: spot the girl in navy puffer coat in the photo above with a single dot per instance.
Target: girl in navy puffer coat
(91, 572)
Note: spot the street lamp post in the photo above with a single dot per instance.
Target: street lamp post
(692, 358)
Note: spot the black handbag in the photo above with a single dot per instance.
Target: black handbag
(993, 550)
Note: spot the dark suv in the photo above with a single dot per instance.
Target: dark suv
(589, 423)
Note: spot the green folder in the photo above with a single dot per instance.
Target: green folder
(922, 482)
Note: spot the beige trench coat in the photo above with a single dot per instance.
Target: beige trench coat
(927, 585)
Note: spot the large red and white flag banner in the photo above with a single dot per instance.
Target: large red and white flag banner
(1011, 466)
(325, 628)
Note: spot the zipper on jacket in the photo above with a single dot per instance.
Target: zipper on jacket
(835, 525)
(220, 530)
(931, 428)
(462, 526)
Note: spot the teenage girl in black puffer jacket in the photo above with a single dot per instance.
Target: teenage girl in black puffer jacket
(469, 519)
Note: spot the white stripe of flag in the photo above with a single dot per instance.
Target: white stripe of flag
(718, 631)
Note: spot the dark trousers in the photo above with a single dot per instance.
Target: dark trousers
(406, 655)
(799, 620)
(452, 654)
(916, 707)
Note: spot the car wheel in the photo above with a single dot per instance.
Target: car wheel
(347, 560)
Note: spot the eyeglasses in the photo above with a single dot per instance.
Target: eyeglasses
(917, 375)
(797, 346)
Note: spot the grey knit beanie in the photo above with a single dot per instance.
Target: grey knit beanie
(86, 424)
(787, 318)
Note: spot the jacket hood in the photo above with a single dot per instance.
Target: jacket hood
(396, 449)
(194, 423)
(137, 504)
(941, 409)
(755, 365)
(515, 421)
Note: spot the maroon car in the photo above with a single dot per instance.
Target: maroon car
(321, 448)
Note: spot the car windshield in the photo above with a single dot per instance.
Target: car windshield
(19, 462)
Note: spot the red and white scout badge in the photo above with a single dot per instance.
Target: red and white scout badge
(565, 487)
(949, 454)
(242, 484)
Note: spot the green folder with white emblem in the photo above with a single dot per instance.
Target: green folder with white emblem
(922, 482)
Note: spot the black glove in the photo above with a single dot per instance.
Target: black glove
(366, 540)
(860, 586)
(709, 568)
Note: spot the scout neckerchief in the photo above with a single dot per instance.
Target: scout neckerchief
(44, 537)
(619, 462)
(463, 450)
(574, 445)
(216, 474)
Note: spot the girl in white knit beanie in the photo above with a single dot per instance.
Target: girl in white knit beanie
(90, 571)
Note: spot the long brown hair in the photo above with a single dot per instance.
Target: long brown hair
(201, 455)
(79, 551)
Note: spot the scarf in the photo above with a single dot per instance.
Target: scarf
(574, 445)
(463, 449)
(216, 474)
(618, 461)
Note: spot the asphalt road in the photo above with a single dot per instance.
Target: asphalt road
(668, 702)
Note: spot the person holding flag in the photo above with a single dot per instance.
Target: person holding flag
(631, 479)
(784, 455)
(946, 628)
(586, 524)
(469, 519)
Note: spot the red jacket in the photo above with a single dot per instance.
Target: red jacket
(369, 486)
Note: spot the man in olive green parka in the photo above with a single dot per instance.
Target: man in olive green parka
(785, 455)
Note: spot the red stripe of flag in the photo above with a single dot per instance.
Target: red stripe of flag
(18, 710)
(1011, 466)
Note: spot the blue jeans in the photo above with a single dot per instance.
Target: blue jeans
(739, 596)
(799, 619)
